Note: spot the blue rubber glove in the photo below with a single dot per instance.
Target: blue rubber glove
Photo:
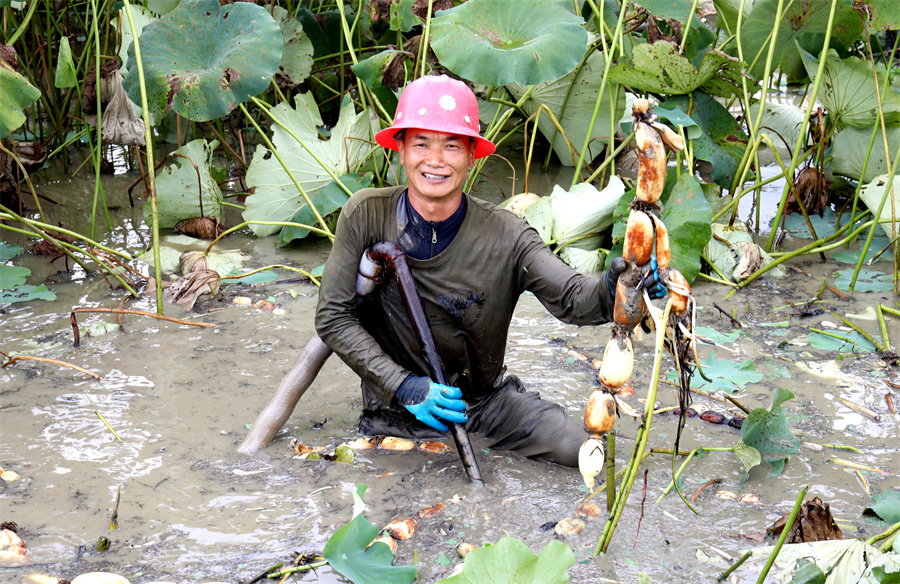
(432, 403)
(650, 279)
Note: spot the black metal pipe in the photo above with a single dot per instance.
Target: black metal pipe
(391, 255)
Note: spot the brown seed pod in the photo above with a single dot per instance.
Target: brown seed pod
(402, 528)
(651, 163)
(713, 417)
(618, 362)
(600, 414)
(638, 238)
(663, 252)
(736, 422)
(202, 227)
(193, 261)
(680, 291)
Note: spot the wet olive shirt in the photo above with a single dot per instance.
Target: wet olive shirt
(469, 292)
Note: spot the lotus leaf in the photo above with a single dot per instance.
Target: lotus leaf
(496, 42)
(843, 560)
(8, 251)
(768, 432)
(374, 72)
(659, 68)
(25, 293)
(885, 15)
(851, 257)
(733, 251)
(142, 17)
(323, 29)
(329, 200)
(723, 141)
(687, 216)
(874, 192)
(670, 9)
(581, 214)
(798, 19)
(65, 66)
(12, 276)
(347, 553)
(728, 376)
(297, 49)
(848, 91)
(856, 342)
(886, 506)
(178, 193)
(851, 145)
(866, 281)
(161, 7)
(510, 560)
(572, 99)
(224, 262)
(540, 216)
(402, 17)
(203, 59)
(16, 93)
(781, 121)
(727, 12)
(276, 198)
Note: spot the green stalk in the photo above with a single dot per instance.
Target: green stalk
(151, 175)
(426, 35)
(884, 534)
(687, 26)
(98, 186)
(676, 475)
(63, 247)
(23, 27)
(587, 139)
(37, 201)
(858, 329)
(879, 309)
(801, 137)
(640, 445)
(315, 230)
(794, 512)
(284, 165)
(7, 214)
(610, 469)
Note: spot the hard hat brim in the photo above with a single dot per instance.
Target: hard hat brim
(385, 138)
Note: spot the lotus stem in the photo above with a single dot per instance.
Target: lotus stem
(110, 428)
(285, 166)
(610, 469)
(293, 569)
(643, 435)
(315, 230)
(96, 152)
(611, 158)
(148, 140)
(45, 360)
(263, 269)
(13, 156)
(724, 575)
(127, 311)
(587, 139)
(794, 512)
(884, 534)
(879, 310)
(677, 475)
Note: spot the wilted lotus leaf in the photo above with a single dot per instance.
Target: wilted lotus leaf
(519, 203)
(495, 42)
(193, 261)
(203, 59)
(391, 443)
(186, 188)
(185, 291)
(202, 227)
(45, 247)
(814, 523)
(434, 447)
(120, 121)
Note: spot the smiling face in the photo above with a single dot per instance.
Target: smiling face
(436, 167)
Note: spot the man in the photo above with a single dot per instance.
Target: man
(471, 261)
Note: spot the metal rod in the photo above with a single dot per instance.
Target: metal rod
(392, 255)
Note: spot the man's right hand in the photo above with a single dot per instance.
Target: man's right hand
(432, 403)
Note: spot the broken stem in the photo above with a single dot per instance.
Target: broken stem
(45, 360)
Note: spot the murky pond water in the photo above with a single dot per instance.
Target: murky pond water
(194, 510)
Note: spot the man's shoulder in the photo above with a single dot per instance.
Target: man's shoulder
(371, 196)
(491, 212)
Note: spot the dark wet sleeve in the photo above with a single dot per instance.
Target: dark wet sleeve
(569, 295)
(336, 319)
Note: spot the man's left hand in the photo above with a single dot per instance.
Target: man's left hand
(650, 280)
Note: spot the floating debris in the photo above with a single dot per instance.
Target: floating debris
(431, 511)
(435, 447)
(361, 444)
(463, 549)
(569, 526)
(750, 499)
(12, 548)
(402, 528)
(590, 510)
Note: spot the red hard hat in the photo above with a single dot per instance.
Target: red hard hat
(439, 104)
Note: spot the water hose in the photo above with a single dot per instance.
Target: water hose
(390, 254)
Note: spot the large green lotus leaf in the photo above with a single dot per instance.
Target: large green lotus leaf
(659, 68)
(142, 17)
(297, 49)
(12, 276)
(347, 553)
(203, 59)
(16, 93)
(799, 18)
(495, 42)
(728, 376)
(687, 216)
(872, 193)
(329, 200)
(323, 29)
(886, 506)
(8, 251)
(851, 145)
(510, 560)
(372, 70)
(276, 198)
(885, 14)
(768, 432)
(25, 293)
(161, 7)
(848, 90)
(571, 98)
(178, 193)
(727, 13)
(670, 9)
(723, 141)
(781, 121)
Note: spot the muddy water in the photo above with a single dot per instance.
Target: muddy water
(193, 510)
